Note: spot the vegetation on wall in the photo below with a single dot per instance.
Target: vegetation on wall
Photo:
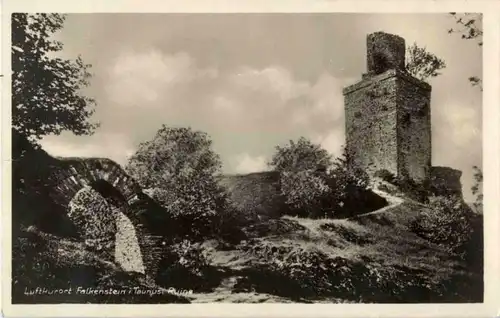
(422, 64)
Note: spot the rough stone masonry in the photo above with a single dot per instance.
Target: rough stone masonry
(388, 119)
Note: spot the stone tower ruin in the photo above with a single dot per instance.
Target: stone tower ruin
(387, 113)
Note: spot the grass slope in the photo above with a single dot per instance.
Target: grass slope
(51, 262)
(370, 258)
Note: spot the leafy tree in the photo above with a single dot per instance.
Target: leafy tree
(305, 191)
(301, 155)
(180, 169)
(316, 185)
(477, 189)
(470, 27)
(348, 173)
(303, 168)
(423, 64)
(350, 193)
(46, 89)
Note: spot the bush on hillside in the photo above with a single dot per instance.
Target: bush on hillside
(448, 223)
(255, 196)
(317, 186)
(305, 192)
(301, 272)
(303, 168)
(350, 194)
(183, 265)
(230, 224)
(477, 189)
(418, 191)
(32, 266)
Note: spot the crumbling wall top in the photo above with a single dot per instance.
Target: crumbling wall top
(384, 52)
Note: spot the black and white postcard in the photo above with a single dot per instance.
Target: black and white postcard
(306, 158)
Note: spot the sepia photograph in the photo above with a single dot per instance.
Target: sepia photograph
(308, 158)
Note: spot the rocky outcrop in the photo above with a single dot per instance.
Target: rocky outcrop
(446, 181)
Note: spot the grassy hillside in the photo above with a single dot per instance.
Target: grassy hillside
(375, 257)
(51, 262)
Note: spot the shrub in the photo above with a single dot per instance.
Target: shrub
(183, 266)
(302, 272)
(180, 168)
(309, 269)
(287, 271)
(419, 191)
(447, 223)
(477, 189)
(400, 185)
(317, 186)
(230, 225)
(303, 168)
(350, 194)
(31, 266)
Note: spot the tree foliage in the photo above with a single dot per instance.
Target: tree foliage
(477, 189)
(301, 155)
(469, 26)
(180, 169)
(448, 223)
(303, 168)
(348, 183)
(46, 89)
(423, 64)
(316, 185)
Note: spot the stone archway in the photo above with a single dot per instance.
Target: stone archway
(106, 229)
(129, 208)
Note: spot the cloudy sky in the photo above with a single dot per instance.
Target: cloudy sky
(253, 81)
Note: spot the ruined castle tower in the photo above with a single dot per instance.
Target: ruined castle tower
(388, 121)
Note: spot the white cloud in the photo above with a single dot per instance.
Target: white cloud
(140, 78)
(226, 104)
(273, 99)
(332, 142)
(110, 146)
(247, 164)
(463, 122)
(271, 79)
(244, 109)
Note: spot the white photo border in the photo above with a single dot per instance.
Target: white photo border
(491, 163)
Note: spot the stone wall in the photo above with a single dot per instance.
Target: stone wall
(127, 251)
(256, 196)
(414, 128)
(384, 52)
(94, 220)
(446, 181)
(370, 114)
